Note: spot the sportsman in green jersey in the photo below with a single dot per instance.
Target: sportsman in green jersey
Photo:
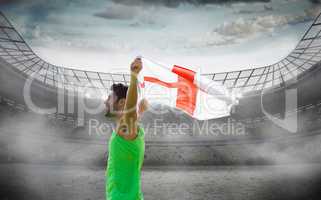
(126, 144)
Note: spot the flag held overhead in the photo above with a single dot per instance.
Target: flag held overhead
(188, 91)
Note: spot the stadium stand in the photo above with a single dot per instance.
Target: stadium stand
(61, 137)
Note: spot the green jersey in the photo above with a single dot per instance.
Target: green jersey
(125, 159)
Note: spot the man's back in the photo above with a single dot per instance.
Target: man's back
(123, 172)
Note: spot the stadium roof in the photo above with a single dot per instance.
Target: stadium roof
(15, 51)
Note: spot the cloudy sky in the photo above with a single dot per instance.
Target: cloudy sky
(214, 35)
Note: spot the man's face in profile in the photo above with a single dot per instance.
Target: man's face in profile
(110, 105)
(114, 106)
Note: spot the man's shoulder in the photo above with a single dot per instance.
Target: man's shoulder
(122, 129)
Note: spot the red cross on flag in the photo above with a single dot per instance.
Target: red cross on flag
(184, 89)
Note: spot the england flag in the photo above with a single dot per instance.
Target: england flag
(185, 89)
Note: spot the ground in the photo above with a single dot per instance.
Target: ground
(57, 182)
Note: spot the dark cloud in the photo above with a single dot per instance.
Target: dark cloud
(45, 4)
(49, 5)
(39, 10)
(117, 11)
(175, 3)
(315, 1)
(5, 2)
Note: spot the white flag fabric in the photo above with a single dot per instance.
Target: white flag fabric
(184, 89)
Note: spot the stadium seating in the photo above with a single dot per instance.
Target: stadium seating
(248, 136)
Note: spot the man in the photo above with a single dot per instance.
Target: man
(126, 144)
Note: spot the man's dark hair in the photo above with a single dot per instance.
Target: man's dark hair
(120, 90)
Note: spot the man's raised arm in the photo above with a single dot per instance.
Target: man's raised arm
(130, 115)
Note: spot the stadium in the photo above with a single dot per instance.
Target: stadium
(253, 135)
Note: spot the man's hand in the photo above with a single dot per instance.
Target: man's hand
(136, 66)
